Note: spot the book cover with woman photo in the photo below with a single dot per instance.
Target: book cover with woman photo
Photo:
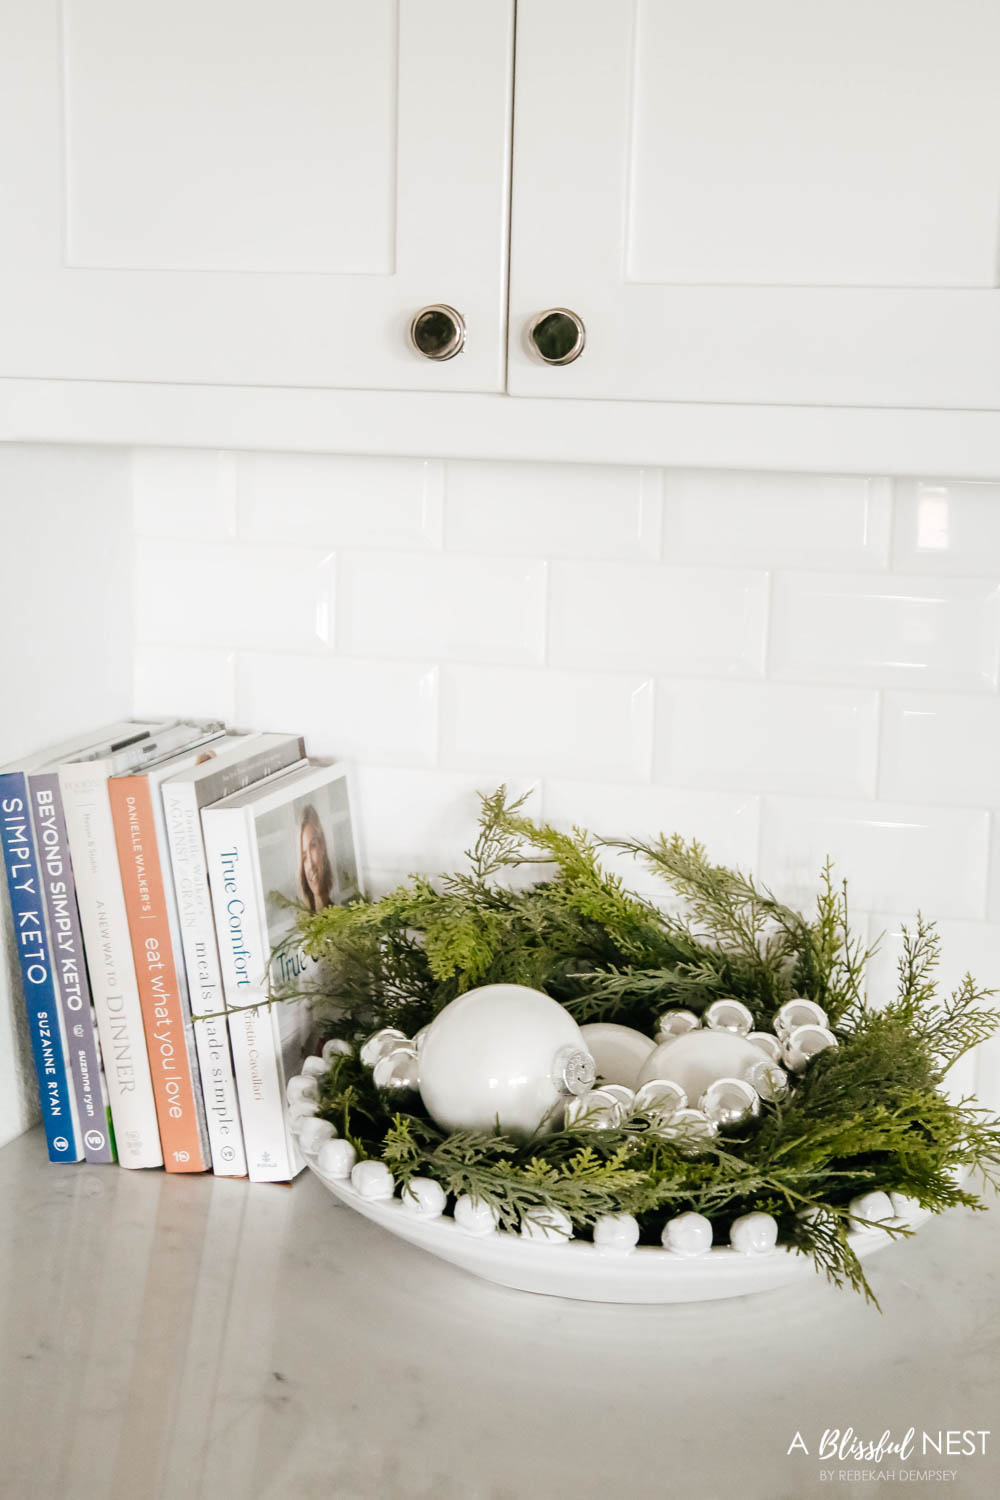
(281, 846)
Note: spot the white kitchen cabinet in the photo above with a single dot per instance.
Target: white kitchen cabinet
(248, 192)
(784, 202)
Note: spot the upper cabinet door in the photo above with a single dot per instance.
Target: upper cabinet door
(261, 192)
(789, 201)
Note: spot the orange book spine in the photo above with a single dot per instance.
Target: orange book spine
(156, 973)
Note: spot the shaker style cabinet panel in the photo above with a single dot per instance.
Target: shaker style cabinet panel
(254, 192)
(779, 202)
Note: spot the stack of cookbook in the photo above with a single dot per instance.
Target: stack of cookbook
(156, 870)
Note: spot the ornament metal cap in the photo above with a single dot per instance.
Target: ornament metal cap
(573, 1071)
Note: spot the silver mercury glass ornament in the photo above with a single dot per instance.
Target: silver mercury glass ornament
(798, 1012)
(728, 1015)
(625, 1096)
(660, 1097)
(767, 1042)
(804, 1043)
(381, 1043)
(398, 1072)
(676, 1023)
(768, 1079)
(691, 1131)
(730, 1102)
(597, 1110)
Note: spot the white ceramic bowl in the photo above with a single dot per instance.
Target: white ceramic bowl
(578, 1269)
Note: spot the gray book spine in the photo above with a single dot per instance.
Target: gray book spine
(70, 968)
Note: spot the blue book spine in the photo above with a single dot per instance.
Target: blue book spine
(69, 967)
(32, 943)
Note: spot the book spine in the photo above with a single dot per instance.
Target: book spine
(174, 1081)
(31, 940)
(243, 954)
(70, 968)
(201, 959)
(104, 922)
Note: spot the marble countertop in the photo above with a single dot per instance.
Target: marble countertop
(203, 1339)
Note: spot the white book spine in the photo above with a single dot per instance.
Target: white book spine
(238, 903)
(204, 979)
(104, 923)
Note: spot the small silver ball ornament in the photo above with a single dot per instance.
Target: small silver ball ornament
(728, 1015)
(730, 1103)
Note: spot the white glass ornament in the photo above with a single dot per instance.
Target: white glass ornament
(336, 1159)
(372, 1179)
(502, 1054)
(729, 1103)
(798, 1012)
(598, 1110)
(418, 1038)
(728, 1015)
(314, 1133)
(688, 1234)
(770, 1081)
(473, 1216)
(298, 1089)
(676, 1023)
(871, 1207)
(616, 1234)
(424, 1197)
(549, 1226)
(660, 1097)
(381, 1043)
(806, 1042)
(754, 1234)
(700, 1057)
(618, 1051)
(767, 1042)
(335, 1047)
(398, 1072)
(313, 1067)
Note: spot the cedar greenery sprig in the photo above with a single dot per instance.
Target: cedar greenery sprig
(867, 1115)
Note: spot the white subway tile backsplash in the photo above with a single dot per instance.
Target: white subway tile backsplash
(777, 520)
(366, 711)
(912, 857)
(947, 526)
(558, 510)
(966, 948)
(887, 631)
(585, 724)
(423, 821)
(767, 737)
(183, 680)
(941, 747)
(184, 492)
(779, 664)
(993, 883)
(219, 594)
(697, 621)
(340, 501)
(727, 825)
(488, 609)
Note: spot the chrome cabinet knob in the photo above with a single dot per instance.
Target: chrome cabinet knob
(557, 336)
(438, 332)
